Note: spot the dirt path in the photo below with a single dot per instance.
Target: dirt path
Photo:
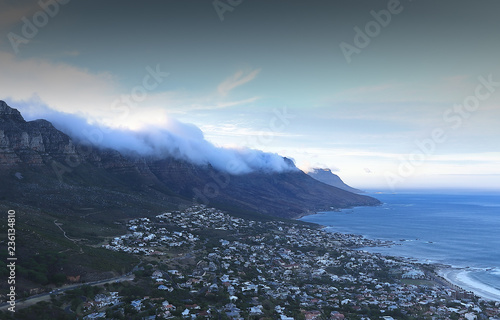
(75, 241)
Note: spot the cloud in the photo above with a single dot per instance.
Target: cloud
(94, 95)
(171, 138)
(239, 130)
(236, 80)
(65, 88)
(187, 105)
(13, 11)
(309, 167)
(82, 104)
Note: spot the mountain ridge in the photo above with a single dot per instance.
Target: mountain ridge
(326, 175)
(52, 163)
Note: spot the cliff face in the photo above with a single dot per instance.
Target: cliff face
(36, 156)
(33, 143)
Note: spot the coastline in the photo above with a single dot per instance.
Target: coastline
(460, 275)
(460, 278)
(455, 278)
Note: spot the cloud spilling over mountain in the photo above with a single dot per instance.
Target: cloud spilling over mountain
(41, 165)
(173, 138)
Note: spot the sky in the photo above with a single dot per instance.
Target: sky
(387, 94)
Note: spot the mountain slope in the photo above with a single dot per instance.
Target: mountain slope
(328, 177)
(41, 163)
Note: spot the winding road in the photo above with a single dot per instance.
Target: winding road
(46, 296)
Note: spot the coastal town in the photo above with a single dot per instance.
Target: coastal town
(203, 263)
(278, 270)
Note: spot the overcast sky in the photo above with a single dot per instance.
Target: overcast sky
(387, 94)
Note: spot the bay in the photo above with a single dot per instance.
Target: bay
(461, 230)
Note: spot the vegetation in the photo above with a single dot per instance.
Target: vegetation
(53, 247)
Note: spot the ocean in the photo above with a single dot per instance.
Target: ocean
(460, 230)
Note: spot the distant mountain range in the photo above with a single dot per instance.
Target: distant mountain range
(42, 167)
(327, 176)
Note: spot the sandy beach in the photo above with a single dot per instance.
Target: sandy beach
(461, 278)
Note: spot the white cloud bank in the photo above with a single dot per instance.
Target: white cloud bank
(93, 109)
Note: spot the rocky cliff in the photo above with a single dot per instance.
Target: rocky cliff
(33, 143)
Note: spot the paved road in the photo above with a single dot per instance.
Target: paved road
(46, 296)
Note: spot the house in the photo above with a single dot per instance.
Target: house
(335, 315)
(73, 279)
(174, 272)
(137, 304)
(157, 274)
(204, 314)
(192, 306)
(95, 315)
(256, 310)
(214, 288)
(311, 315)
(167, 306)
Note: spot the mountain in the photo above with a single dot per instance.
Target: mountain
(44, 168)
(328, 177)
